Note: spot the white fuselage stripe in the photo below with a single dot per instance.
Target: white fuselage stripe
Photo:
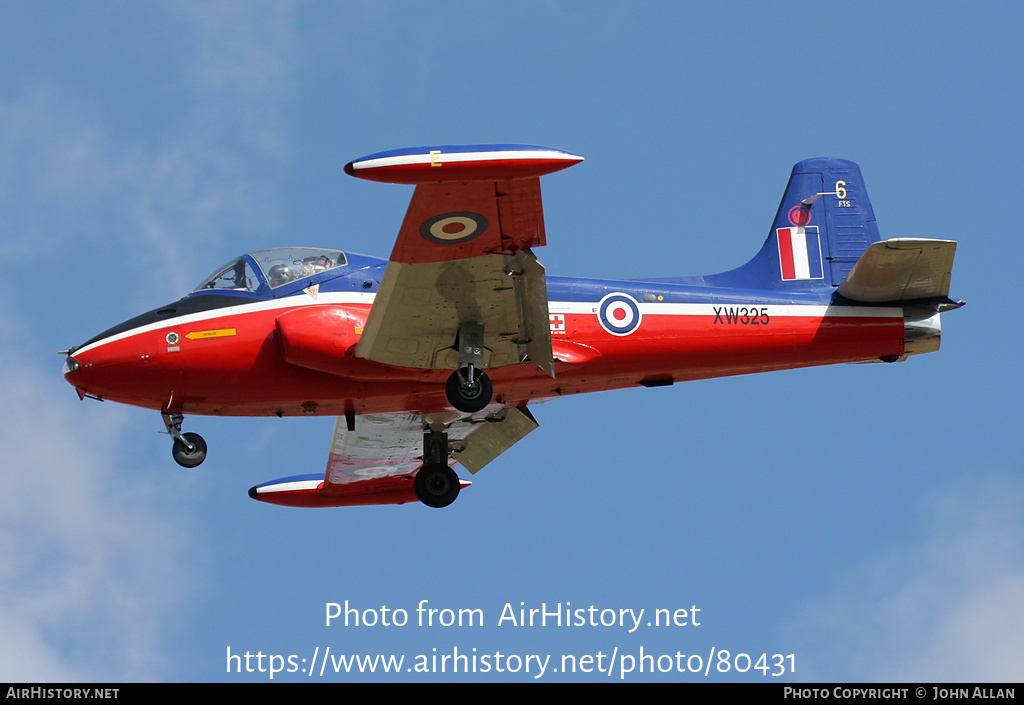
(346, 297)
(572, 307)
(713, 309)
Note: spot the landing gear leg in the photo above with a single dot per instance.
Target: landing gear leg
(468, 389)
(436, 484)
(189, 448)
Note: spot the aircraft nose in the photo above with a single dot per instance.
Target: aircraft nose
(71, 365)
(93, 369)
(123, 368)
(71, 370)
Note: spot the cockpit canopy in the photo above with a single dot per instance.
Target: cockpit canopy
(274, 268)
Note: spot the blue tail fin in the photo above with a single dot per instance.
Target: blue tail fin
(824, 224)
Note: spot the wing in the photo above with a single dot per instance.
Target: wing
(461, 286)
(462, 276)
(375, 459)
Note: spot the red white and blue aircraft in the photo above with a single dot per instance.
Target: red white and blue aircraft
(430, 359)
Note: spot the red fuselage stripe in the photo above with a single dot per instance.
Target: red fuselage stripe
(211, 365)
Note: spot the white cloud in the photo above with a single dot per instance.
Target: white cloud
(95, 575)
(243, 59)
(92, 573)
(176, 182)
(70, 189)
(946, 609)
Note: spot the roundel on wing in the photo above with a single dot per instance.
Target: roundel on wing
(453, 228)
(374, 471)
(619, 314)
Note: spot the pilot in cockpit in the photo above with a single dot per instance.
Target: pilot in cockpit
(280, 274)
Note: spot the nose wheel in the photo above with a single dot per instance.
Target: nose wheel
(189, 449)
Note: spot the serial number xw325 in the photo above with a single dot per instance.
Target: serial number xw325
(745, 315)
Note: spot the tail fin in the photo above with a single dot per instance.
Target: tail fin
(823, 226)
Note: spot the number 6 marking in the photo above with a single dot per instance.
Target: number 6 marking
(841, 190)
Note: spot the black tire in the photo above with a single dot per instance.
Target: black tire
(436, 485)
(189, 458)
(469, 398)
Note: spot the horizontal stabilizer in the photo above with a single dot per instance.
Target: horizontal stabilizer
(902, 269)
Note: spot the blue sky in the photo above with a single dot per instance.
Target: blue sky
(865, 518)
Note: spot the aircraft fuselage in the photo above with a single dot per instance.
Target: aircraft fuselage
(218, 354)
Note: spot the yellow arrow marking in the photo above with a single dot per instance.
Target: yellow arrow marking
(202, 334)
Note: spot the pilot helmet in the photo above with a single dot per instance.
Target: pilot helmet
(281, 274)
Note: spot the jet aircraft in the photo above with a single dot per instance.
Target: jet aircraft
(432, 358)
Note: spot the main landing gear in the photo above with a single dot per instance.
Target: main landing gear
(436, 484)
(189, 449)
(468, 389)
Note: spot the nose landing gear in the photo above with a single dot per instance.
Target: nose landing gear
(189, 449)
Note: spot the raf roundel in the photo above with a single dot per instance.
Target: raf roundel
(453, 228)
(619, 314)
(371, 471)
(800, 215)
